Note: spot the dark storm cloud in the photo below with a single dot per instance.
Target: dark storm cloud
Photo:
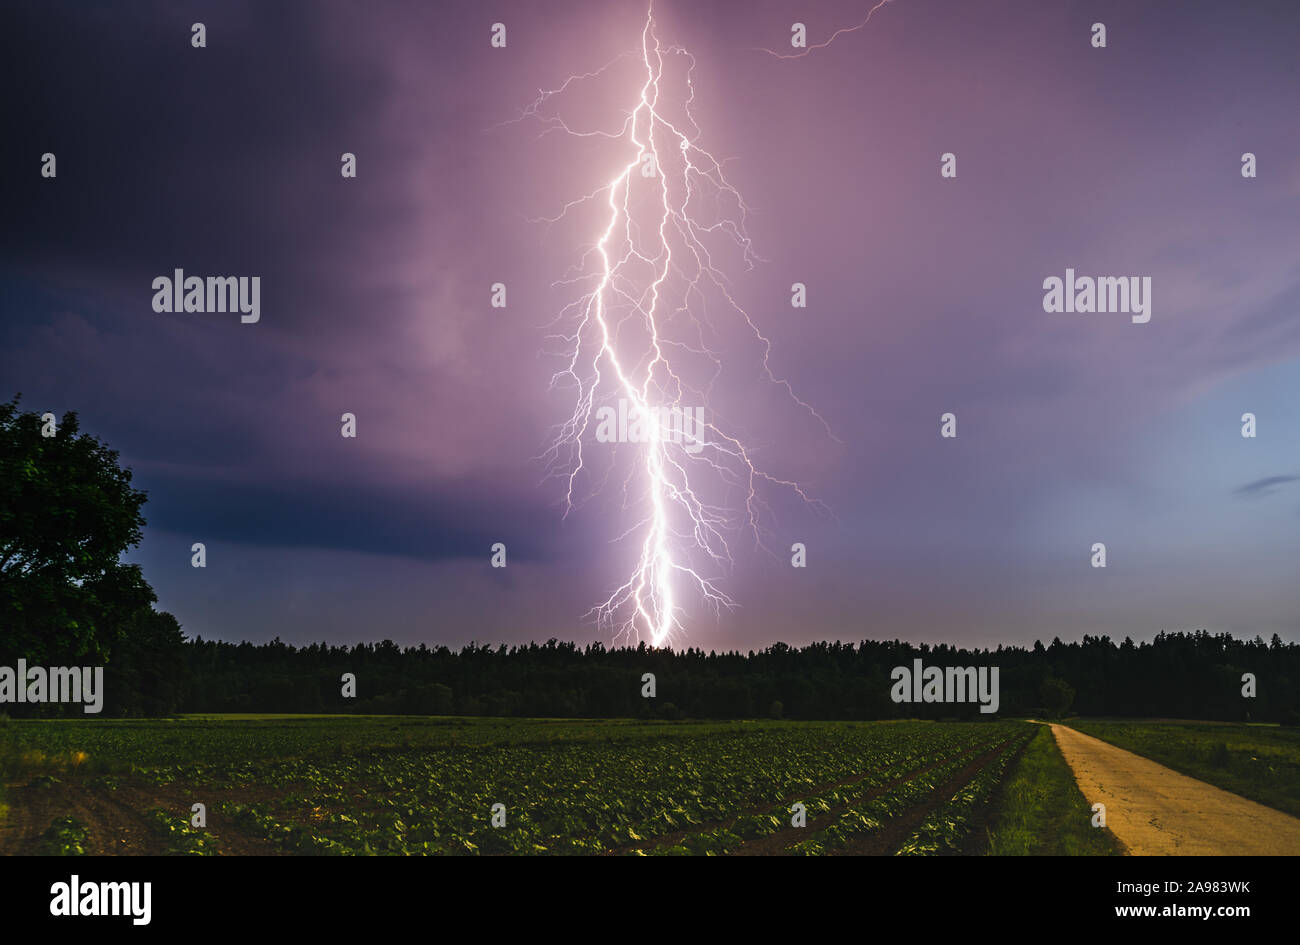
(925, 292)
(416, 523)
(216, 160)
(219, 161)
(1261, 487)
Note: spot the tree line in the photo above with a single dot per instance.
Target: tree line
(154, 670)
(1183, 675)
(68, 512)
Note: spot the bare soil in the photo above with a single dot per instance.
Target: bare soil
(116, 821)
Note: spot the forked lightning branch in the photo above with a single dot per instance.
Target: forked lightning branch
(641, 339)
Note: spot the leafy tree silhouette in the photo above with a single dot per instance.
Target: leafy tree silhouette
(67, 513)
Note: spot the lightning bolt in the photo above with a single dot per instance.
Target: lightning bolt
(834, 36)
(639, 329)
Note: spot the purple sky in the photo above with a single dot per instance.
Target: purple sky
(925, 296)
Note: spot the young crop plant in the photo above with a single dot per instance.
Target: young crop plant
(66, 836)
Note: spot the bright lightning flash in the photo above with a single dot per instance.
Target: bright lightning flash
(639, 331)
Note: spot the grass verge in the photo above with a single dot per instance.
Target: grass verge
(1041, 811)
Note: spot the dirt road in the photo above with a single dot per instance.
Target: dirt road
(1155, 811)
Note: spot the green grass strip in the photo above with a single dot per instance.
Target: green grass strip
(1042, 812)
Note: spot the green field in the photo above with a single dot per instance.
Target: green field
(1041, 811)
(1261, 762)
(420, 785)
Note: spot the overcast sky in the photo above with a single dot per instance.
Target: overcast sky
(925, 296)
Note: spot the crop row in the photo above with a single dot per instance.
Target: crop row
(588, 798)
(753, 827)
(439, 786)
(948, 826)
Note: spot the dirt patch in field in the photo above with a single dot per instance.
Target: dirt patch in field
(112, 827)
(117, 822)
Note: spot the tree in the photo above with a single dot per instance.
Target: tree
(147, 666)
(1056, 695)
(67, 513)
